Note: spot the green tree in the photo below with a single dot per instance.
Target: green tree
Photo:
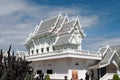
(116, 77)
(27, 77)
(4, 76)
(47, 77)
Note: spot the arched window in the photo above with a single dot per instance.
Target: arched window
(53, 48)
(42, 50)
(47, 49)
(37, 51)
(32, 51)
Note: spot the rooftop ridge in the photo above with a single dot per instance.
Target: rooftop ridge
(70, 21)
(115, 45)
(52, 17)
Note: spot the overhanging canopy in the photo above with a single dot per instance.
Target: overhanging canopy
(98, 66)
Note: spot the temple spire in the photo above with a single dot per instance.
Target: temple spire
(60, 14)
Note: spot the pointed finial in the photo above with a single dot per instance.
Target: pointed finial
(107, 46)
(60, 14)
(77, 17)
(66, 15)
(41, 20)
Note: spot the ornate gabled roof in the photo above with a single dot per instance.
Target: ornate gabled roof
(58, 25)
(47, 25)
(63, 40)
(29, 38)
(81, 31)
(43, 28)
(106, 57)
(70, 25)
(102, 50)
(66, 27)
(116, 47)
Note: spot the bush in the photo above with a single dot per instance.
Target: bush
(27, 77)
(4, 76)
(116, 77)
(47, 77)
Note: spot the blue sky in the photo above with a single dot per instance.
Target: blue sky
(100, 20)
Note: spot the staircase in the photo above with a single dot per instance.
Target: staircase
(107, 76)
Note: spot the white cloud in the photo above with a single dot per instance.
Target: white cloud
(9, 7)
(97, 42)
(89, 21)
(19, 18)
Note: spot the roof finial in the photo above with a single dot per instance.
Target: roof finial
(77, 17)
(107, 46)
(66, 15)
(60, 14)
(41, 20)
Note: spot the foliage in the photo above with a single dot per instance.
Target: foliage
(13, 67)
(116, 77)
(47, 77)
(27, 77)
(4, 76)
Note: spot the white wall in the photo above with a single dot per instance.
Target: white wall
(59, 67)
(42, 42)
(64, 67)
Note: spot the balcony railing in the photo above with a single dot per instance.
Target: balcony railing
(65, 53)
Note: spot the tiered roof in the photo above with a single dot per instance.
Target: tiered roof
(103, 50)
(116, 47)
(47, 25)
(108, 53)
(106, 57)
(66, 27)
(57, 25)
(63, 40)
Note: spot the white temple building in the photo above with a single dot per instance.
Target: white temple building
(55, 49)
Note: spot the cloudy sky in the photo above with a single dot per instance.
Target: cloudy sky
(100, 20)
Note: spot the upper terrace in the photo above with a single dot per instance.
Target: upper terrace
(70, 53)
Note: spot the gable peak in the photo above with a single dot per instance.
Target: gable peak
(59, 14)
